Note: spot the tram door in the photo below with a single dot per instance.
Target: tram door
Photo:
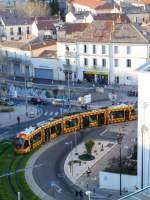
(58, 129)
(47, 134)
(126, 115)
(101, 119)
(86, 122)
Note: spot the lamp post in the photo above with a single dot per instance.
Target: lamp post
(119, 140)
(71, 158)
(88, 193)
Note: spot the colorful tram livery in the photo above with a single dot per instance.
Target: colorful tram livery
(33, 137)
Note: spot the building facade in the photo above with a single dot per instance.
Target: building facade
(102, 51)
(144, 126)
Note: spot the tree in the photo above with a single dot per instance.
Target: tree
(32, 8)
(54, 7)
(89, 146)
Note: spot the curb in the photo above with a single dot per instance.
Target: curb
(29, 169)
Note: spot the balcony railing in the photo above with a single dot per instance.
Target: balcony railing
(70, 54)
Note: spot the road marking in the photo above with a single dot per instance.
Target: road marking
(56, 113)
(102, 133)
(45, 113)
(51, 113)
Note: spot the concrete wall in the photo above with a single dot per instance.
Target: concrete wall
(109, 180)
(144, 128)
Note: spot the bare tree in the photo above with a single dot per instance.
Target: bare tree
(32, 8)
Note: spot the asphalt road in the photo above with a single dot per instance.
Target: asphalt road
(52, 171)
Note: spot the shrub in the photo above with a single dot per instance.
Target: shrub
(89, 146)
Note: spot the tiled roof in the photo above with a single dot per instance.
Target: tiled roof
(146, 2)
(95, 4)
(38, 45)
(112, 17)
(103, 31)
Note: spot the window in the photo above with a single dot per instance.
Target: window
(85, 48)
(128, 50)
(116, 79)
(103, 49)
(128, 62)
(115, 62)
(95, 62)
(67, 62)
(11, 31)
(94, 49)
(12, 38)
(36, 138)
(103, 62)
(129, 78)
(67, 48)
(115, 49)
(85, 61)
(28, 30)
(19, 30)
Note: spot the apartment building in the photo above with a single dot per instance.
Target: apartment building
(102, 51)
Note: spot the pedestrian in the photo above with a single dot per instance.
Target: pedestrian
(18, 119)
(81, 194)
(76, 193)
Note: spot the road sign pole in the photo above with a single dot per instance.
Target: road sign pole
(19, 196)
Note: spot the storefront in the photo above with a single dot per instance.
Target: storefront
(98, 77)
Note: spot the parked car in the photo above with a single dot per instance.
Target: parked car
(60, 102)
(6, 102)
(36, 101)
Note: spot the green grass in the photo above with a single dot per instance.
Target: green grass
(10, 185)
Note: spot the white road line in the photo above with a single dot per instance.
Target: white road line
(102, 133)
(45, 113)
(56, 113)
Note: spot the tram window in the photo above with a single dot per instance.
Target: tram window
(117, 114)
(47, 131)
(26, 144)
(58, 129)
(93, 118)
(133, 112)
(36, 137)
(71, 123)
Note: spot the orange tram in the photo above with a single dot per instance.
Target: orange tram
(32, 137)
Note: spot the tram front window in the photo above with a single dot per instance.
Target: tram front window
(21, 143)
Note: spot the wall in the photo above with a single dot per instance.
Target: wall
(15, 31)
(127, 75)
(112, 181)
(144, 128)
(47, 63)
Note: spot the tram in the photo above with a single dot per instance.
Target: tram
(32, 137)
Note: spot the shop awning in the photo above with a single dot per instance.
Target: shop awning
(96, 73)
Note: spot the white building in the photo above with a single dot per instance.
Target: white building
(103, 51)
(144, 126)
(15, 28)
(38, 59)
(93, 6)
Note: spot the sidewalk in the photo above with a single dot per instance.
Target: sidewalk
(80, 167)
(10, 118)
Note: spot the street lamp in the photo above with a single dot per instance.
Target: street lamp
(88, 193)
(119, 140)
(71, 158)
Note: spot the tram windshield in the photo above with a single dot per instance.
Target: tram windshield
(21, 143)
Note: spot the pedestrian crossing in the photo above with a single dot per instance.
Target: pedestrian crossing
(51, 114)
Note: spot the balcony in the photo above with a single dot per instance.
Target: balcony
(70, 54)
(67, 67)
